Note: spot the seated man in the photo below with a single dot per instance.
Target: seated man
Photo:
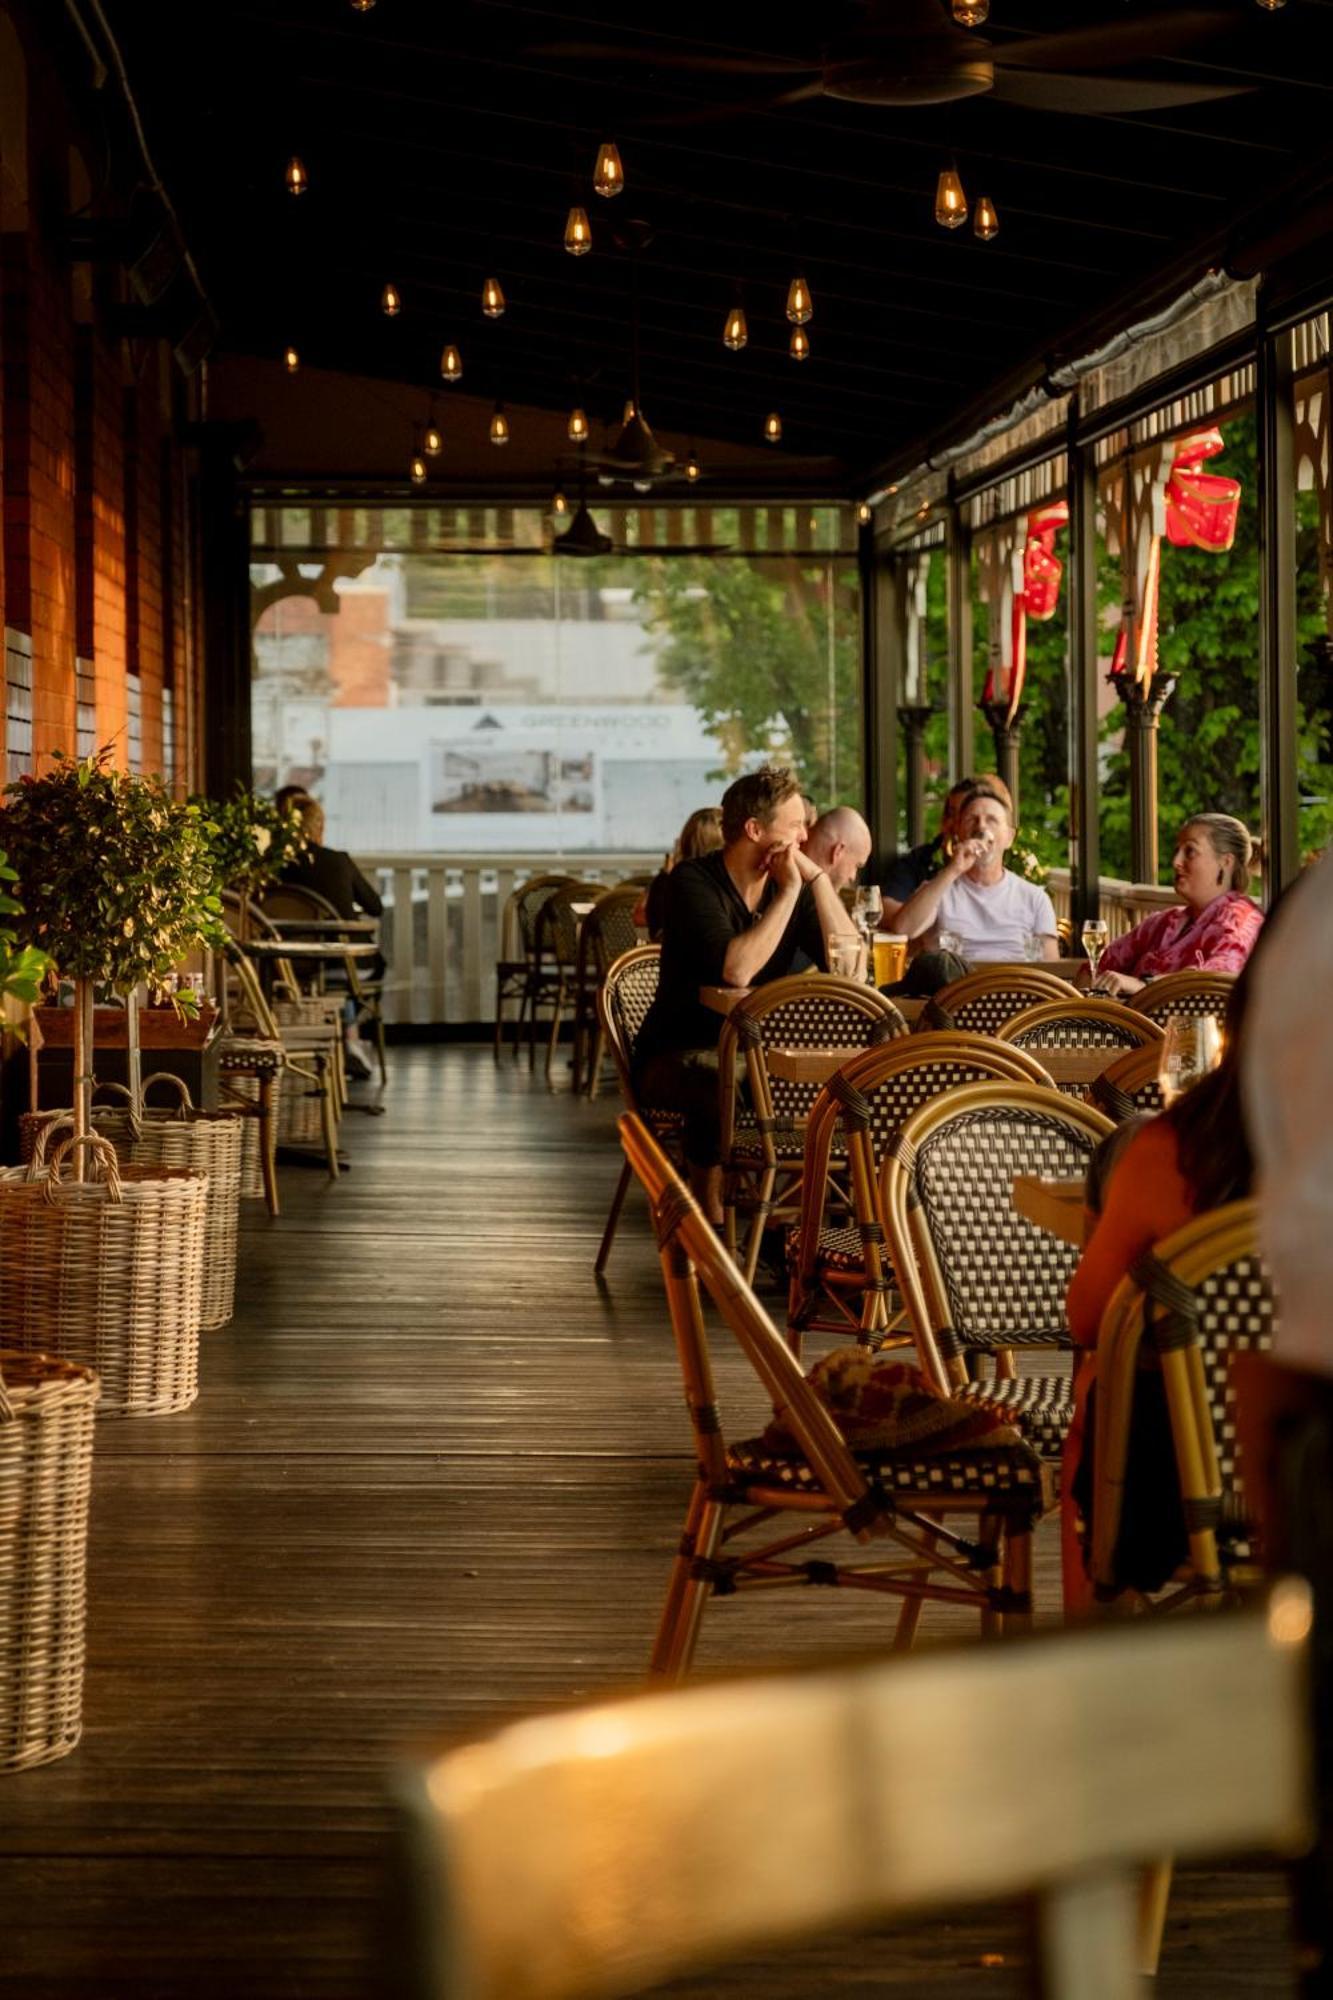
(905, 874)
(990, 912)
(839, 843)
(738, 917)
(334, 875)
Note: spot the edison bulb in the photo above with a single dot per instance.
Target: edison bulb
(390, 301)
(608, 176)
(630, 411)
(950, 201)
(492, 298)
(559, 504)
(799, 348)
(800, 305)
(691, 468)
(451, 364)
(577, 427)
(735, 333)
(970, 13)
(298, 180)
(773, 427)
(865, 513)
(985, 222)
(417, 470)
(578, 234)
(292, 359)
(432, 442)
(499, 426)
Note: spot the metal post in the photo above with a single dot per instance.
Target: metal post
(913, 719)
(224, 584)
(1006, 736)
(1280, 806)
(1143, 712)
(1084, 775)
(881, 661)
(958, 556)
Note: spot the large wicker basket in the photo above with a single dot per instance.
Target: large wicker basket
(107, 1271)
(46, 1456)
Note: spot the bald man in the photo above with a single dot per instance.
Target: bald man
(839, 843)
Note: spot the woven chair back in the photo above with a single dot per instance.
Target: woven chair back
(627, 992)
(243, 916)
(1130, 1084)
(690, 1251)
(558, 923)
(977, 1276)
(1189, 993)
(1089, 1023)
(1199, 1298)
(872, 1097)
(289, 899)
(608, 928)
(810, 1011)
(981, 1002)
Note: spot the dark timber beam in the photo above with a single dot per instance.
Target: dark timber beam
(958, 558)
(1277, 609)
(1084, 779)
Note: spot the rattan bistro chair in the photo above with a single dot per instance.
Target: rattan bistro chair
(555, 972)
(978, 1278)
(1202, 1296)
(981, 1002)
(1078, 1022)
(289, 899)
(623, 1000)
(517, 978)
(1187, 993)
(765, 1037)
(606, 1850)
(902, 1504)
(1130, 1084)
(840, 1273)
(606, 932)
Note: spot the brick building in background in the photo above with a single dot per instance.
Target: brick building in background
(101, 388)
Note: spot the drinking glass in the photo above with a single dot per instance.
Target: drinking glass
(1033, 949)
(1190, 1048)
(950, 941)
(1095, 933)
(846, 955)
(870, 905)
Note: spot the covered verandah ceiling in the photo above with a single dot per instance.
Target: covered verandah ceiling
(444, 146)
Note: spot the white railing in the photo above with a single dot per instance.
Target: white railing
(441, 962)
(1123, 904)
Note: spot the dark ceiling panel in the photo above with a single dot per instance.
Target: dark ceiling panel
(446, 143)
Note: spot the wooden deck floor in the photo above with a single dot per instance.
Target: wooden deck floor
(434, 1476)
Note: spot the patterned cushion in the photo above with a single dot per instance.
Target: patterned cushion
(1014, 1470)
(882, 1405)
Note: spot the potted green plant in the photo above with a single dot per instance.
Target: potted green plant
(251, 839)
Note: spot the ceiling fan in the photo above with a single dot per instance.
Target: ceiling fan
(906, 53)
(636, 455)
(584, 538)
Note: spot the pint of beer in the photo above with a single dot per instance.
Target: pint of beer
(890, 957)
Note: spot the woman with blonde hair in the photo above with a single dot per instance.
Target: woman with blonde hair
(1214, 926)
(700, 835)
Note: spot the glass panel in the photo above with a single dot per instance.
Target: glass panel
(517, 702)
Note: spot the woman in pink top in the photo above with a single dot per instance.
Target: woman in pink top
(1216, 924)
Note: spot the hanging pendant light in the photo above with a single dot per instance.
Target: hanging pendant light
(608, 176)
(559, 504)
(391, 303)
(291, 359)
(735, 333)
(417, 470)
(1271, 6)
(298, 180)
(970, 13)
(578, 234)
(799, 346)
(451, 364)
(800, 305)
(432, 439)
(985, 222)
(577, 428)
(950, 201)
(499, 425)
(773, 428)
(630, 411)
(692, 467)
(362, 6)
(865, 513)
(492, 298)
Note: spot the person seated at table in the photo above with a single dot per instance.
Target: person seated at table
(701, 834)
(334, 875)
(991, 912)
(839, 842)
(906, 872)
(1211, 929)
(740, 916)
(1192, 1158)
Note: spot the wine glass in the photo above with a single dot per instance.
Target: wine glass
(1190, 1047)
(870, 905)
(1095, 933)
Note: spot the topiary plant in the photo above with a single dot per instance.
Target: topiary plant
(22, 967)
(250, 839)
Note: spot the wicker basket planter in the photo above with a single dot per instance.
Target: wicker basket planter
(107, 1271)
(46, 1455)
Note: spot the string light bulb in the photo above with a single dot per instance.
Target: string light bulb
(970, 13)
(800, 305)
(865, 513)
(692, 467)
(950, 201)
(391, 303)
(577, 428)
(362, 6)
(499, 425)
(773, 428)
(630, 411)
(417, 470)
(492, 298)
(735, 333)
(608, 176)
(559, 504)
(985, 222)
(291, 359)
(432, 440)
(451, 364)
(1271, 6)
(578, 233)
(298, 180)
(799, 348)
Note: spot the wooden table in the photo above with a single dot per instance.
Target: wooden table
(1056, 1206)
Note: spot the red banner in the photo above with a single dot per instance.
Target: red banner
(1199, 511)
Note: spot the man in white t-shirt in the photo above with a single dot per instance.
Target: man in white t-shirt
(974, 898)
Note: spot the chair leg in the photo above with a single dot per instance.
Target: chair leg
(613, 1218)
(379, 1047)
(1154, 1895)
(557, 1011)
(268, 1140)
(687, 1593)
(595, 1062)
(768, 1181)
(1016, 1570)
(499, 1023)
(328, 1122)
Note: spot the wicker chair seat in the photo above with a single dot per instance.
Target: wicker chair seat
(839, 1249)
(1042, 1407)
(250, 1052)
(1007, 1469)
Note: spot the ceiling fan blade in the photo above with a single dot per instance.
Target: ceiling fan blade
(710, 114)
(755, 65)
(1116, 44)
(1108, 95)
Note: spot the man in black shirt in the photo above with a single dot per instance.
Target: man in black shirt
(738, 917)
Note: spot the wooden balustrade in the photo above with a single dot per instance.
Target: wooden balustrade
(1123, 904)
